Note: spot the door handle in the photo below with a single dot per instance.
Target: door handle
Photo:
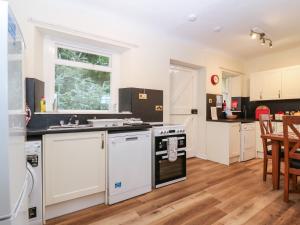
(194, 111)
(131, 138)
(102, 141)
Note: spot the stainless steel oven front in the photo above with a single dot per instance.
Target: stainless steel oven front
(166, 172)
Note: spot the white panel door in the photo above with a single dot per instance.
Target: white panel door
(183, 98)
(290, 83)
(74, 165)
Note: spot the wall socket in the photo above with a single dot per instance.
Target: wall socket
(143, 96)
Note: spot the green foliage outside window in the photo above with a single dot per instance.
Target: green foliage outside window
(81, 89)
(77, 56)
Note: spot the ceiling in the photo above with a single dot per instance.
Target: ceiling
(279, 19)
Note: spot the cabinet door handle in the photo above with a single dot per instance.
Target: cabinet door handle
(260, 95)
(279, 94)
(102, 141)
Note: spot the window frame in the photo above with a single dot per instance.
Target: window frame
(51, 59)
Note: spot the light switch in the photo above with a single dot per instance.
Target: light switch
(143, 96)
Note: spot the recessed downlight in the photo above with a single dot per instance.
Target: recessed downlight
(192, 17)
(218, 29)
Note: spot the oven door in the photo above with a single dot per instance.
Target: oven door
(167, 172)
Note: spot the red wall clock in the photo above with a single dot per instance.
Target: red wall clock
(214, 79)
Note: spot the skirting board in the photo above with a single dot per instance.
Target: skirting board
(201, 155)
(66, 207)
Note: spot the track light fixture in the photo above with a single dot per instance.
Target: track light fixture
(261, 36)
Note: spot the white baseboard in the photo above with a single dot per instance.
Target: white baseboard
(201, 155)
(259, 155)
(74, 205)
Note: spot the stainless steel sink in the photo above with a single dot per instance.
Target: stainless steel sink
(69, 126)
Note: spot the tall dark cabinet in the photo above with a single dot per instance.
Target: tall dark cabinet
(34, 93)
(146, 104)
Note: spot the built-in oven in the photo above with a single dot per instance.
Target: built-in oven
(166, 172)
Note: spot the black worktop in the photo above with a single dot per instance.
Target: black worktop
(239, 120)
(40, 132)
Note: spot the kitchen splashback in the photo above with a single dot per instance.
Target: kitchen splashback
(278, 105)
(44, 120)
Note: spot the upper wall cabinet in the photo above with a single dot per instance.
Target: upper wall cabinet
(290, 83)
(275, 84)
(236, 86)
(265, 85)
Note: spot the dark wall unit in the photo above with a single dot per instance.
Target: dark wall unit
(34, 93)
(211, 101)
(146, 104)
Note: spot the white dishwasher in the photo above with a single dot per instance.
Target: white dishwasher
(129, 165)
(248, 141)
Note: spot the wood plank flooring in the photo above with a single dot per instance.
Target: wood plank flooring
(212, 194)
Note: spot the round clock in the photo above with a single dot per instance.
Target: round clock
(214, 79)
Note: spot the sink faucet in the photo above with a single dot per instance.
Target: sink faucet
(71, 118)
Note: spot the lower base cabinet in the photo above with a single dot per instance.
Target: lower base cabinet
(223, 142)
(74, 165)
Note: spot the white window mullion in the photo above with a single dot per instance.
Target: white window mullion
(82, 65)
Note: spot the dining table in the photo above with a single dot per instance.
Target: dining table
(277, 140)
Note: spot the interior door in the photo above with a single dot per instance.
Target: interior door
(183, 100)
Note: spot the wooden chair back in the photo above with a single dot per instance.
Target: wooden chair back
(265, 124)
(291, 132)
(266, 127)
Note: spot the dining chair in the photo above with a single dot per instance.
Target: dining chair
(266, 128)
(291, 140)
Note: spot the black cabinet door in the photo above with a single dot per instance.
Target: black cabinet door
(146, 104)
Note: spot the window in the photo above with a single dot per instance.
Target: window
(79, 79)
(81, 82)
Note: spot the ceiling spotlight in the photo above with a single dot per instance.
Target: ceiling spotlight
(253, 34)
(261, 36)
(270, 44)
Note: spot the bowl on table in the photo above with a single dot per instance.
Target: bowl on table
(231, 117)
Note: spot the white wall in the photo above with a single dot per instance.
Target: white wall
(275, 60)
(145, 66)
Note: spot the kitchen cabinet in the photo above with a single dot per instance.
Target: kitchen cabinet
(265, 85)
(223, 142)
(74, 165)
(290, 83)
(275, 84)
(235, 86)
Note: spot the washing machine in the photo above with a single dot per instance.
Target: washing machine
(33, 151)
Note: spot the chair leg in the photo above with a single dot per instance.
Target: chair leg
(286, 187)
(294, 182)
(265, 169)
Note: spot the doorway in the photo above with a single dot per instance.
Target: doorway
(185, 104)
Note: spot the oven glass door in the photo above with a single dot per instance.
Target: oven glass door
(166, 171)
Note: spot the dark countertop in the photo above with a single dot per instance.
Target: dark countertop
(40, 132)
(239, 120)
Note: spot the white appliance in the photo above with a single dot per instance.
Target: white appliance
(33, 151)
(14, 179)
(129, 165)
(248, 141)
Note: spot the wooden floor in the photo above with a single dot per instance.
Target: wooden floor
(212, 194)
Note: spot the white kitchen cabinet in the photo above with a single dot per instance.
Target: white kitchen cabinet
(235, 87)
(271, 85)
(265, 85)
(74, 165)
(275, 84)
(223, 142)
(256, 86)
(290, 83)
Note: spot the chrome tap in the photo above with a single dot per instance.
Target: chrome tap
(71, 118)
